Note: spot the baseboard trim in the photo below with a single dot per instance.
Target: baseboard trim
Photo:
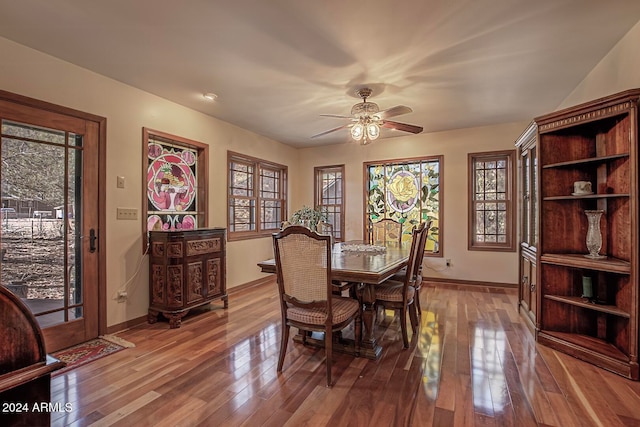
(469, 282)
(126, 325)
(252, 284)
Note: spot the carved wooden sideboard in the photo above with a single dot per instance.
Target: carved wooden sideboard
(186, 270)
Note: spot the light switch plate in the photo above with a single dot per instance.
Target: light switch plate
(120, 182)
(127, 213)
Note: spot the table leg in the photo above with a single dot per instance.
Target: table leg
(369, 347)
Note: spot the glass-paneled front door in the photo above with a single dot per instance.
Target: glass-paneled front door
(48, 219)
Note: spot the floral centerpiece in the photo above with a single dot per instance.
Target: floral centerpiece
(308, 217)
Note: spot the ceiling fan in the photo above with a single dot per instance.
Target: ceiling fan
(367, 119)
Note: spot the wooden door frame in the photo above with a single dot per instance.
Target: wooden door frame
(102, 151)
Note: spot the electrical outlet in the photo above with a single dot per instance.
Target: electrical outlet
(122, 296)
(448, 262)
(127, 213)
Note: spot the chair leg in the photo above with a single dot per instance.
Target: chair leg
(328, 347)
(415, 321)
(416, 300)
(283, 345)
(403, 326)
(358, 331)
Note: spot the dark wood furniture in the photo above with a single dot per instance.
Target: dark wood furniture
(186, 270)
(400, 275)
(526, 146)
(401, 295)
(368, 268)
(385, 230)
(595, 142)
(25, 368)
(303, 260)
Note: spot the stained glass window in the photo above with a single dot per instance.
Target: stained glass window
(407, 191)
(491, 205)
(174, 182)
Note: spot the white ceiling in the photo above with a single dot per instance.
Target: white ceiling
(276, 65)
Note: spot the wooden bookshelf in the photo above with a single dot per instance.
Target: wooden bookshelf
(595, 142)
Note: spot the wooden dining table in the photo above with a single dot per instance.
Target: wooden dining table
(355, 262)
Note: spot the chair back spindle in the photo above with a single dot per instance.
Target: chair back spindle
(385, 230)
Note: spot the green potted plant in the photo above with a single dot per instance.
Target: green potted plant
(308, 217)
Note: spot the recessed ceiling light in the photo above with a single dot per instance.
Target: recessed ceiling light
(210, 96)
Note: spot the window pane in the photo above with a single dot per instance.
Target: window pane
(242, 214)
(501, 180)
(36, 133)
(480, 222)
(257, 195)
(241, 180)
(329, 196)
(37, 226)
(492, 175)
(269, 184)
(271, 215)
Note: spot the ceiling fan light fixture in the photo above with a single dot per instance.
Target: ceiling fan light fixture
(357, 131)
(373, 131)
(367, 119)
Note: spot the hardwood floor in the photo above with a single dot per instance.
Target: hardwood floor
(473, 363)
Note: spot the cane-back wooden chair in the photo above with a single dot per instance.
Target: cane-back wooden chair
(400, 295)
(399, 276)
(385, 230)
(303, 268)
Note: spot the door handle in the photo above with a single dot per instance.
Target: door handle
(92, 240)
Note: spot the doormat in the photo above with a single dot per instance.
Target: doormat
(86, 352)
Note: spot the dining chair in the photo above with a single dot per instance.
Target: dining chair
(326, 228)
(400, 295)
(303, 270)
(385, 230)
(400, 275)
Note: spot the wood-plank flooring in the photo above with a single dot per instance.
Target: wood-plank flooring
(473, 363)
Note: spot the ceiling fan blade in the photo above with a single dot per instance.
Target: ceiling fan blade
(401, 126)
(338, 116)
(394, 111)
(330, 130)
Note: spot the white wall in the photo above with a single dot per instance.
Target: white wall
(30, 73)
(619, 70)
(454, 145)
